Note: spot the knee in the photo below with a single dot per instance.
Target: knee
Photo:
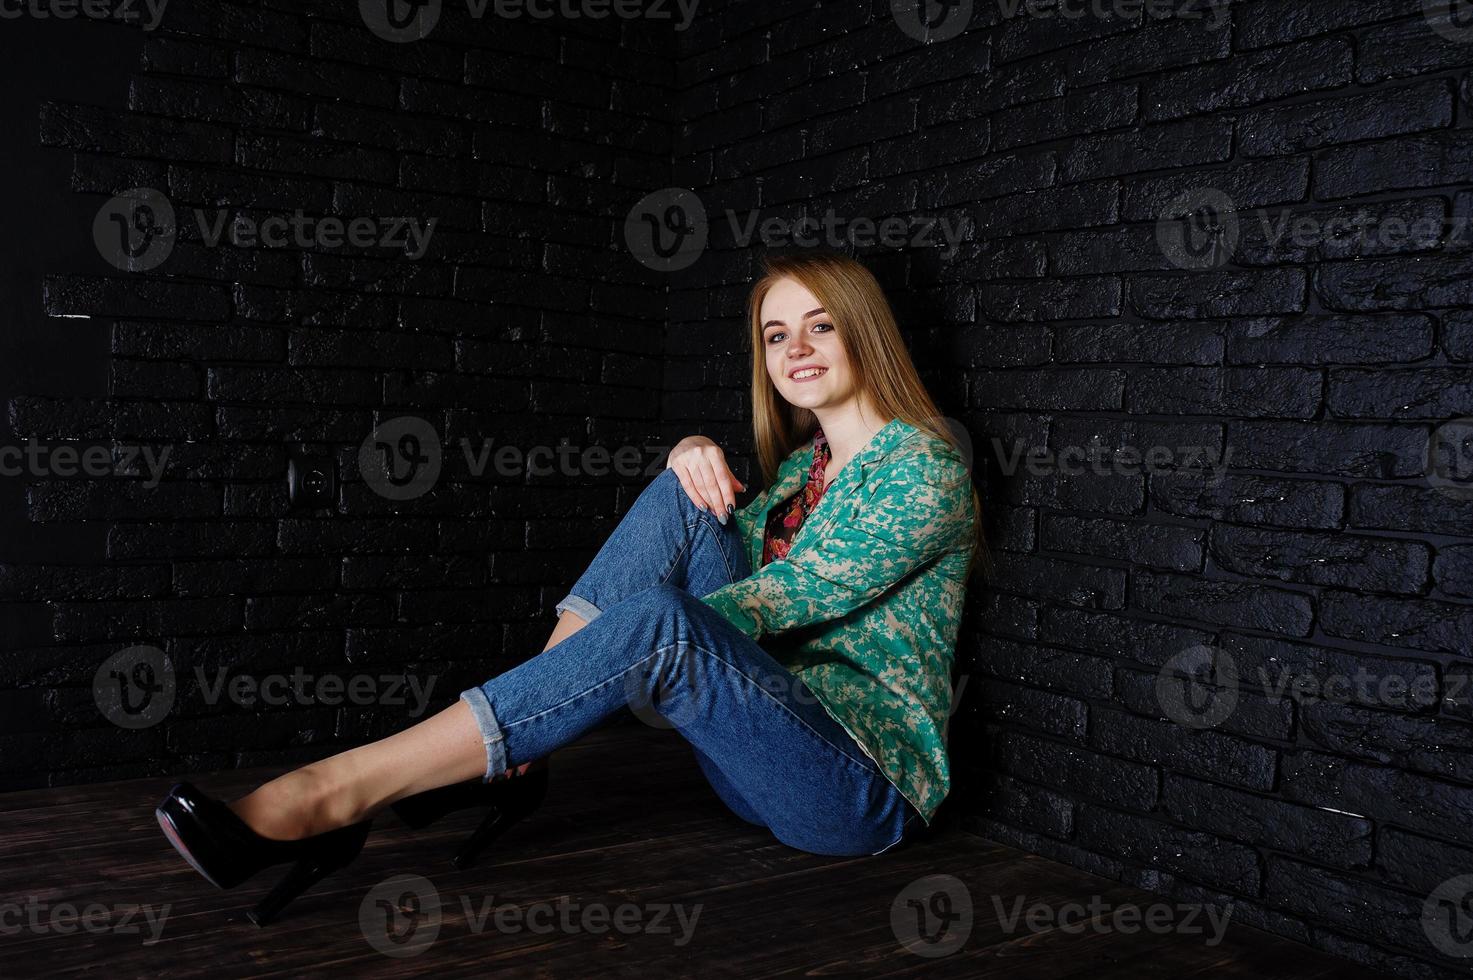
(666, 600)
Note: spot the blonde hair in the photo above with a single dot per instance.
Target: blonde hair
(882, 366)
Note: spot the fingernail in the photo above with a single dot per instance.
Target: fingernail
(721, 518)
(730, 508)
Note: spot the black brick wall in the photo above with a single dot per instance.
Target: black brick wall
(1322, 367)
(527, 141)
(1055, 145)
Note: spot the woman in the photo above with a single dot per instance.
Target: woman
(815, 690)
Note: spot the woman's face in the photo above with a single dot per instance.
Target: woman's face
(805, 360)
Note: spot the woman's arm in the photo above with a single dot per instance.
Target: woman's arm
(921, 507)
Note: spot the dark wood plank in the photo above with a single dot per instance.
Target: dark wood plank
(629, 820)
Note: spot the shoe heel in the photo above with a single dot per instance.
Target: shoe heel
(493, 826)
(301, 877)
(525, 801)
(338, 853)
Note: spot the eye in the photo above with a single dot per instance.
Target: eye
(775, 337)
(822, 327)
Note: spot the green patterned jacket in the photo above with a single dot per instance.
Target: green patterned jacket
(866, 606)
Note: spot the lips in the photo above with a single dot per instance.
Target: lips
(808, 372)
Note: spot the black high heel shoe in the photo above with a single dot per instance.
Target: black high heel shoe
(223, 848)
(508, 800)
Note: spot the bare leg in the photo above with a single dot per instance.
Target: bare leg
(345, 788)
(567, 624)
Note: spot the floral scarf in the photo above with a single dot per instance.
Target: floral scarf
(784, 520)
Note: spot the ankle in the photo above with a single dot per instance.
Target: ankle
(301, 803)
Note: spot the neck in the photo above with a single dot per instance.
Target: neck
(848, 427)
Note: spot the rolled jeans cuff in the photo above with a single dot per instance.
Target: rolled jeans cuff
(580, 607)
(491, 734)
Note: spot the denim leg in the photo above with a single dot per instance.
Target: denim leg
(664, 537)
(724, 789)
(800, 772)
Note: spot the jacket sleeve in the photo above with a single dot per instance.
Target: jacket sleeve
(918, 506)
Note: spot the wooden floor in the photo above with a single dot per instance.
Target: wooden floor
(606, 838)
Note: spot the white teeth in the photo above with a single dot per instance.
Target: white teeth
(811, 372)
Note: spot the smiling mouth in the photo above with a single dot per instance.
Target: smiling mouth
(808, 373)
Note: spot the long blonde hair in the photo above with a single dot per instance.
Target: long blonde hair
(882, 366)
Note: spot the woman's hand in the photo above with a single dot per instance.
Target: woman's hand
(701, 466)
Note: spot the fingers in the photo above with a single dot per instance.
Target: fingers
(707, 479)
(710, 485)
(730, 485)
(683, 475)
(726, 483)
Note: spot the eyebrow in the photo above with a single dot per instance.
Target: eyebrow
(807, 316)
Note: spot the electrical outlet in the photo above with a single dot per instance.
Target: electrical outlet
(311, 481)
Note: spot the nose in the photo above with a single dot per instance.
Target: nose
(799, 347)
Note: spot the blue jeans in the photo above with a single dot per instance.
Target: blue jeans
(766, 745)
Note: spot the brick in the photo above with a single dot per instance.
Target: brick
(1401, 283)
(1320, 835)
(1397, 164)
(1248, 80)
(1294, 129)
(1422, 509)
(1356, 449)
(1421, 624)
(1142, 641)
(1429, 393)
(1276, 666)
(1216, 294)
(1330, 340)
(1176, 548)
(1412, 802)
(1453, 570)
(1362, 563)
(1076, 770)
(1249, 499)
(1195, 752)
(1226, 603)
(92, 128)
